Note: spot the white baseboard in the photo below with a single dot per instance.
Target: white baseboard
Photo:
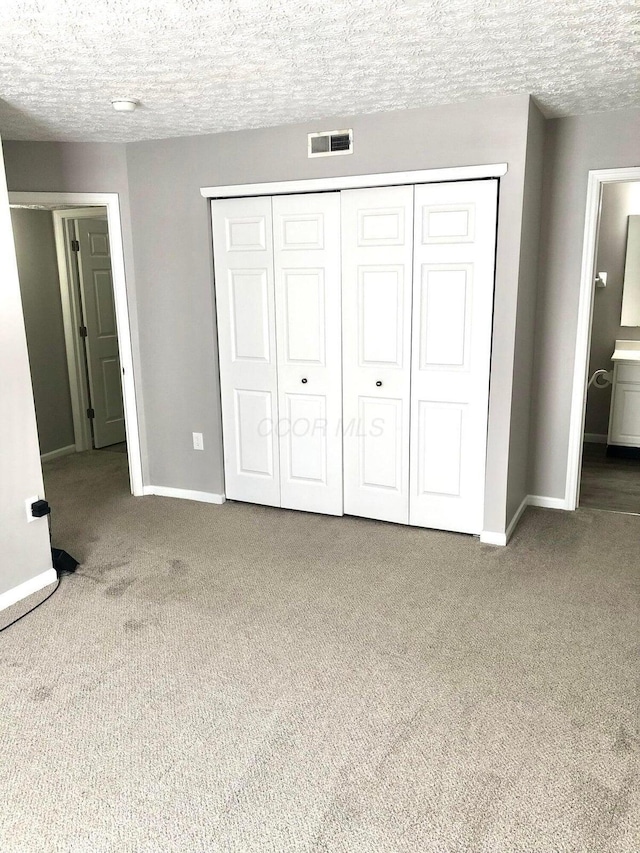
(185, 494)
(487, 536)
(595, 438)
(517, 515)
(12, 596)
(548, 503)
(61, 451)
(490, 538)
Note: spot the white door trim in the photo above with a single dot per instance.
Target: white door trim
(351, 182)
(186, 494)
(111, 202)
(71, 317)
(596, 180)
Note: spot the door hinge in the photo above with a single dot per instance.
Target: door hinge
(83, 331)
(75, 245)
(91, 413)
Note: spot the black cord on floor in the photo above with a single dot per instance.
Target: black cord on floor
(33, 608)
(44, 599)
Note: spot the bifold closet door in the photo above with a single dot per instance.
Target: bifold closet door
(245, 306)
(455, 239)
(306, 240)
(377, 258)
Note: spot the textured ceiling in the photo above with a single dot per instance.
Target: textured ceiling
(203, 66)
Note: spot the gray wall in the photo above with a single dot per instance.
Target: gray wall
(619, 201)
(518, 486)
(171, 238)
(171, 300)
(97, 167)
(24, 546)
(42, 308)
(574, 146)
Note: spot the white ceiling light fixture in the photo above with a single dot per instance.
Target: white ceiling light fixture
(124, 105)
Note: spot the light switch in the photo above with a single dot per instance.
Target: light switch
(198, 443)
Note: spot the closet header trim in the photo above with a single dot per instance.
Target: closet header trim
(351, 182)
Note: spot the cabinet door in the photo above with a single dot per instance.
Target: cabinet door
(306, 232)
(243, 262)
(455, 237)
(624, 421)
(377, 237)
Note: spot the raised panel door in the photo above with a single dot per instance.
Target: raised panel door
(377, 241)
(455, 232)
(245, 308)
(309, 350)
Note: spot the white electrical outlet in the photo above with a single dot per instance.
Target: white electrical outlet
(198, 443)
(27, 506)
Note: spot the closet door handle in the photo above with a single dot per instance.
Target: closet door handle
(304, 381)
(379, 384)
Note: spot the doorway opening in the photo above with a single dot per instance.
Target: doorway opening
(604, 461)
(71, 270)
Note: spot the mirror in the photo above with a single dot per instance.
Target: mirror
(631, 285)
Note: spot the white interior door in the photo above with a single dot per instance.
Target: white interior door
(98, 309)
(306, 237)
(455, 237)
(377, 241)
(243, 261)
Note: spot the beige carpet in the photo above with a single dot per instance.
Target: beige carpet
(244, 680)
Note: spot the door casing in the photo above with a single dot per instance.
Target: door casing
(110, 202)
(73, 319)
(596, 180)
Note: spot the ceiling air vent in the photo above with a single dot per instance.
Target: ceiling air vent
(330, 142)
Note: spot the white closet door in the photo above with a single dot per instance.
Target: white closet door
(455, 237)
(377, 238)
(306, 236)
(243, 260)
